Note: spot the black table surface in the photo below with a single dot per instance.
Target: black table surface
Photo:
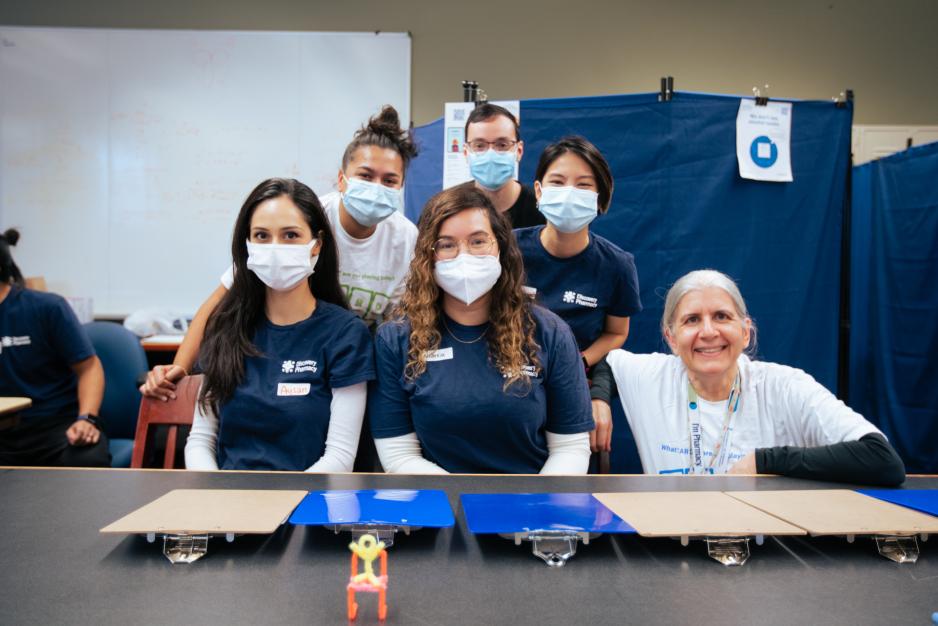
(57, 567)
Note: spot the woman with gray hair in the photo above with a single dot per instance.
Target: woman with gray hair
(709, 409)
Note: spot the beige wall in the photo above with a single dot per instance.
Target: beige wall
(886, 51)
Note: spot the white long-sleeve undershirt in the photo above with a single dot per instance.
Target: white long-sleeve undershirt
(347, 410)
(567, 454)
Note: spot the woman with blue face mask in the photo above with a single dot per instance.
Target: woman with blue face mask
(374, 240)
(286, 363)
(587, 280)
(473, 377)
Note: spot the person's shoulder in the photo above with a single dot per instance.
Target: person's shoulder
(528, 235)
(548, 323)
(610, 250)
(398, 223)
(654, 364)
(38, 299)
(774, 377)
(330, 202)
(394, 330)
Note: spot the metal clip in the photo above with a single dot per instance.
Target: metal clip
(381, 532)
(184, 548)
(554, 547)
(728, 550)
(899, 549)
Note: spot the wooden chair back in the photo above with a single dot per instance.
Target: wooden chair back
(171, 413)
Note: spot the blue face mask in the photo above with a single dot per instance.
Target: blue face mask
(569, 209)
(369, 203)
(492, 169)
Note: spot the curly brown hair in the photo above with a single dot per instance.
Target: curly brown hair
(510, 335)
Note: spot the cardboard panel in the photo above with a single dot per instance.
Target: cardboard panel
(692, 514)
(839, 512)
(214, 511)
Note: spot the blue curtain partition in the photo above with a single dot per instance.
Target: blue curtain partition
(894, 301)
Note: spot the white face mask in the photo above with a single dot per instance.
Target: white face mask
(468, 277)
(281, 266)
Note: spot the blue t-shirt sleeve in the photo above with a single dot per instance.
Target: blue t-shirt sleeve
(569, 410)
(352, 356)
(65, 333)
(626, 300)
(388, 402)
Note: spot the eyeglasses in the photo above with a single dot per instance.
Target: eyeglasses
(500, 145)
(446, 248)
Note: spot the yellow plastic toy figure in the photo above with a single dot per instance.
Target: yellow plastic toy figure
(368, 549)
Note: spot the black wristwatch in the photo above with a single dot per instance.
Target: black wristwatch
(92, 419)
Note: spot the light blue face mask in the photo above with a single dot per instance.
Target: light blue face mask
(370, 203)
(492, 169)
(569, 209)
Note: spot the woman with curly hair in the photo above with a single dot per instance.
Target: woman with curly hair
(473, 377)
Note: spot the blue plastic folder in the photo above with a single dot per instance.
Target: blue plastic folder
(523, 512)
(428, 508)
(922, 500)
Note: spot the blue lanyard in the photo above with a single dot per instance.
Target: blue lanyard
(695, 430)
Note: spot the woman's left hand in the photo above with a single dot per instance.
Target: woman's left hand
(746, 465)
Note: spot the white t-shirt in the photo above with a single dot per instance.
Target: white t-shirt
(372, 270)
(779, 406)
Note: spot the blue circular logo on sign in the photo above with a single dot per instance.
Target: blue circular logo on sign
(764, 153)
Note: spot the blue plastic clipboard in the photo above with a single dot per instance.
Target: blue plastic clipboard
(921, 500)
(428, 508)
(525, 512)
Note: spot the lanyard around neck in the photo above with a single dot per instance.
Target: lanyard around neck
(695, 430)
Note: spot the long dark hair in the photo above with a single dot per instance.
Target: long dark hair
(510, 335)
(230, 330)
(9, 272)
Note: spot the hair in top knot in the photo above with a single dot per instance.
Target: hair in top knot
(9, 272)
(383, 130)
(12, 236)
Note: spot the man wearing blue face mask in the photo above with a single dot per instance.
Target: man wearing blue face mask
(493, 147)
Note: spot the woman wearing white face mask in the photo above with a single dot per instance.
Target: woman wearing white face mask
(374, 240)
(585, 279)
(286, 364)
(474, 377)
(709, 409)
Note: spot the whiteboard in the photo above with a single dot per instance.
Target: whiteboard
(125, 155)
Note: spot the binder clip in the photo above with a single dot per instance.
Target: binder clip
(761, 100)
(368, 549)
(667, 89)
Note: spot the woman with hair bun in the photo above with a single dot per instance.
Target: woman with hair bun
(710, 409)
(375, 241)
(473, 377)
(46, 356)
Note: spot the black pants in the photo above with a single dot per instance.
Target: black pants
(41, 441)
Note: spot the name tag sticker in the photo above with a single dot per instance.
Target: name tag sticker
(444, 354)
(531, 291)
(293, 389)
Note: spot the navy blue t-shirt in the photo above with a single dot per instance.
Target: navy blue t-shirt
(464, 420)
(40, 339)
(585, 288)
(278, 418)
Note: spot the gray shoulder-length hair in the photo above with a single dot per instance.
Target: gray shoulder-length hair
(701, 279)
